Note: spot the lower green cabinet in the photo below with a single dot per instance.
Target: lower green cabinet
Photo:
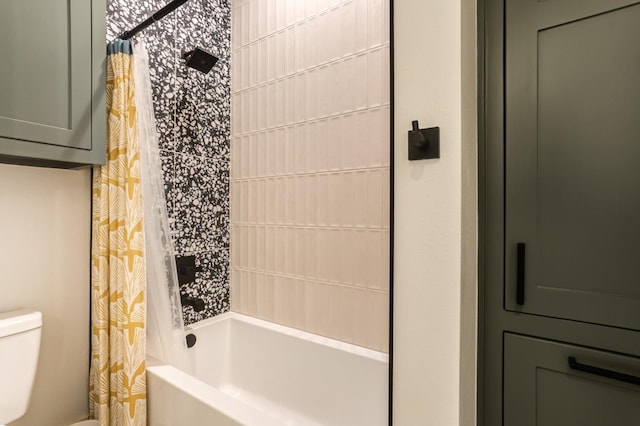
(542, 388)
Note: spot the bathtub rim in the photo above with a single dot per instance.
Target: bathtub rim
(292, 332)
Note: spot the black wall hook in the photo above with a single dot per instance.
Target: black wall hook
(423, 143)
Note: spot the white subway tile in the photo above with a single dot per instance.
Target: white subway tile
(269, 247)
(271, 55)
(271, 16)
(360, 198)
(299, 47)
(386, 136)
(281, 103)
(360, 83)
(290, 13)
(374, 198)
(280, 201)
(374, 260)
(322, 161)
(311, 95)
(253, 21)
(290, 50)
(311, 253)
(375, 13)
(289, 250)
(261, 109)
(244, 164)
(271, 153)
(300, 147)
(271, 105)
(253, 110)
(278, 250)
(268, 300)
(290, 200)
(252, 201)
(374, 78)
(261, 296)
(386, 261)
(280, 14)
(261, 157)
(386, 197)
(279, 152)
(310, 207)
(244, 27)
(311, 43)
(334, 148)
(280, 56)
(235, 296)
(300, 10)
(347, 250)
(251, 247)
(323, 254)
(310, 7)
(253, 64)
(386, 75)
(260, 202)
(362, 22)
(300, 253)
(253, 155)
(261, 19)
(348, 28)
(299, 200)
(261, 61)
(323, 81)
(290, 100)
(300, 112)
(310, 148)
(245, 68)
(289, 150)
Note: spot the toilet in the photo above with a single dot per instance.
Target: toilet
(19, 349)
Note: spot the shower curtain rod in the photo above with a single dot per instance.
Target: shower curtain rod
(170, 7)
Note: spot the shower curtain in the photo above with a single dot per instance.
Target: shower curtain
(135, 296)
(165, 325)
(117, 382)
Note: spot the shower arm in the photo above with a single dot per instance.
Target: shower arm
(170, 7)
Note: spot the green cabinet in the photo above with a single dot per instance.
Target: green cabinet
(559, 204)
(52, 78)
(541, 388)
(572, 152)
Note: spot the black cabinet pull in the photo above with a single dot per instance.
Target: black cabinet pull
(520, 275)
(610, 374)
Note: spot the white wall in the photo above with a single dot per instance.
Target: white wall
(44, 258)
(435, 232)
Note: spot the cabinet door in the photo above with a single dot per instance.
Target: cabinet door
(573, 159)
(540, 388)
(48, 73)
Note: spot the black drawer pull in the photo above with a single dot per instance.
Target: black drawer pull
(520, 275)
(610, 374)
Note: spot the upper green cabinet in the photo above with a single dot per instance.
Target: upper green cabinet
(52, 105)
(572, 175)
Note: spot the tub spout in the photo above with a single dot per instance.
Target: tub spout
(195, 302)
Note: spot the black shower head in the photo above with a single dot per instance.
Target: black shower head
(200, 59)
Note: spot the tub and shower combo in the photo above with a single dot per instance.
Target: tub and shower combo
(252, 372)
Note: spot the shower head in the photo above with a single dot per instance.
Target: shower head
(200, 59)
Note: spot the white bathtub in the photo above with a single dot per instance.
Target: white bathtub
(253, 372)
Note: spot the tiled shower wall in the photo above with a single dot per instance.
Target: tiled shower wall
(310, 166)
(193, 120)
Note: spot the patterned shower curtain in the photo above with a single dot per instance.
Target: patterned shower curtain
(118, 375)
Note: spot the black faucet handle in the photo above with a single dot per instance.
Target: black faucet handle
(186, 266)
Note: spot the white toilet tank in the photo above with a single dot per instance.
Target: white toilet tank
(19, 348)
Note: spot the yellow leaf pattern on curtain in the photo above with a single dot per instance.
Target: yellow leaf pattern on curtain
(118, 371)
